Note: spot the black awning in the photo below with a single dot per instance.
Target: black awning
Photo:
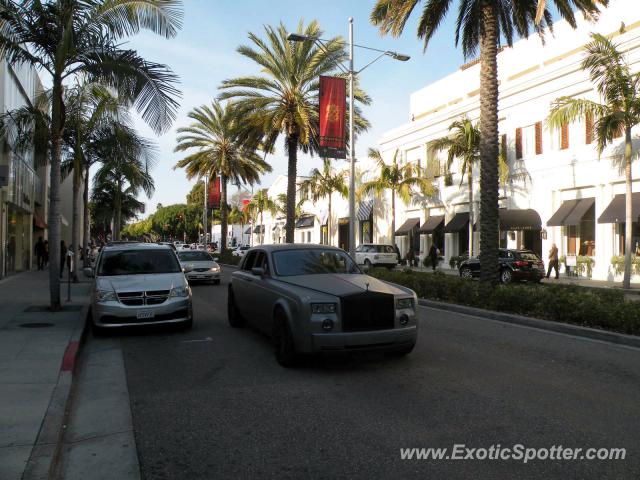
(615, 211)
(519, 219)
(305, 222)
(258, 229)
(557, 219)
(582, 207)
(432, 224)
(247, 231)
(457, 223)
(407, 226)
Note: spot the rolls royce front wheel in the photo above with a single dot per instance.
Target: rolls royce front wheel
(235, 319)
(283, 343)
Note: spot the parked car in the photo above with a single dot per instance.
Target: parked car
(514, 265)
(314, 299)
(240, 251)
(376, 255)
(199, 265)
(138, 284)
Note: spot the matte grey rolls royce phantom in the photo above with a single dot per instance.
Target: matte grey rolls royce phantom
(314, 298)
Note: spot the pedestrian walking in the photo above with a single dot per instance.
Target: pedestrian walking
(63, 256)
(39, 251)
(433, 256)
(553, 260)
(46, 254)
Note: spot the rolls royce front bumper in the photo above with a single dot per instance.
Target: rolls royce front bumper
(384, 340)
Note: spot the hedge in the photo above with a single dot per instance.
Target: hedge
(590, 307)
(228, 258)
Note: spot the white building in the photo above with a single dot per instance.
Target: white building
(570, 196)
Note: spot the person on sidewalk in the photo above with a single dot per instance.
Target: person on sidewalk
(45, 258)
(63, 256)
(395, 247)
(39, 251)
(553, 260)
(433, 256)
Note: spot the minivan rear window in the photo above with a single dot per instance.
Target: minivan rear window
(138, 262)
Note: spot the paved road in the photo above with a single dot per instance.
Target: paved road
(213, 403)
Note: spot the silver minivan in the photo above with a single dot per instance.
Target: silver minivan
(139, 284)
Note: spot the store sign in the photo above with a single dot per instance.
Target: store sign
(333, 107)
(571, 261)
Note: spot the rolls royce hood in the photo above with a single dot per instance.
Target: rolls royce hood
(137, 283)
(340, 284)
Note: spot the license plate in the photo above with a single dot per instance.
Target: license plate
(145, 314)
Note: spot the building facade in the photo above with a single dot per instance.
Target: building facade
(23, 177)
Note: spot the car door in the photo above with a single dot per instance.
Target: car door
(264, 294)
(242, 286)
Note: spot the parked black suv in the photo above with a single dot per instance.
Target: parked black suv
(514, 265)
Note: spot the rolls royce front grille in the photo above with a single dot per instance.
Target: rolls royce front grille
(367, 311)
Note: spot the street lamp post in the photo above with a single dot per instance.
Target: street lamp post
(351, 73)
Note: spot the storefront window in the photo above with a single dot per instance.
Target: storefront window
(635, 238)
(324, 235)
(18, 245)
(365, 231)
(588, 233)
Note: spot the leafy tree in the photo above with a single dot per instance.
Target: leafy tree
(400, 179)
(283, 100)
(323, 184)
(619, 112)
(222, 151)
(103, 198)
(482, 24)
(69, 38)
(259, 204)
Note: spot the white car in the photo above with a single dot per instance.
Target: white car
(240, 251)
(199, 265)
(376, 255)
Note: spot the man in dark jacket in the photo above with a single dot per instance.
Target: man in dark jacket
(433, 256)
(39, 251)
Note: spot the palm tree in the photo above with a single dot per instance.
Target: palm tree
(483, 24)
(464, 145)
(67, 38)
(400, 179)
(222, 151)
(284, 99)
(127, 160)
(619, 90)
(239, 216)
(259, 204)
(103, 197)
(325, 183)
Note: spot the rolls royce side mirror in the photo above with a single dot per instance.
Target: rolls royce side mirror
(88, 272)
(258, 272)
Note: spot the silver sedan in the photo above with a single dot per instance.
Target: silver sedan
(314, 298)
(199, 265)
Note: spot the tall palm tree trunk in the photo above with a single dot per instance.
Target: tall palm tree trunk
(223, 215)
(54, 194)
(489, 146)
(85, 215)
(75, 215)
(261, 231)
(628, 210)
(471, 218)
(292, 147)
(393, 218)
(329, 242)
(117, 219)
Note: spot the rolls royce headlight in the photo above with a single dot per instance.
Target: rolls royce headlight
(404, 303)
(181, 291)
(106, 296)
(323, 308)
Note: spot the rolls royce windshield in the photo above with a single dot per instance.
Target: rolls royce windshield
(312, 261)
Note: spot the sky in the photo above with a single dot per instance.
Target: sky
(204, 54)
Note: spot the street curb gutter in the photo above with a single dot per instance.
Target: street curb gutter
(566, 328)
(45, 455)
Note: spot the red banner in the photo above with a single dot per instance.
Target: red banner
(333, 107)
(214, 194)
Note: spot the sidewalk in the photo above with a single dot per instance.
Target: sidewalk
(37, 355)
(564, 279)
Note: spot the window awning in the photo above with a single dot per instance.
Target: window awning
(407, 226)
(38, 221)
(583, 206)
(457, 223)
(565, 209)
(258, 229)
(305, 222)
(519, 219)
(615, 211)
(247, 231)
(365, 209)
(432, 224)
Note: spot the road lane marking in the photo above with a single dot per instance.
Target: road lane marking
(208, 339)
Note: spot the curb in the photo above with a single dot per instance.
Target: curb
(45, 455)
(565, 328)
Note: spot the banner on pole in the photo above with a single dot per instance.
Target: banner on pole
(214, 194)
(333, 108)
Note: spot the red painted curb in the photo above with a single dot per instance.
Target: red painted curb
(70, 354)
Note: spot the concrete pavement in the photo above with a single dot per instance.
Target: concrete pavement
(34, 345)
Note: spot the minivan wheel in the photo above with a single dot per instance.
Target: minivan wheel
(466, 273)
(283, 343)
(235, 319)
(505, 276)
